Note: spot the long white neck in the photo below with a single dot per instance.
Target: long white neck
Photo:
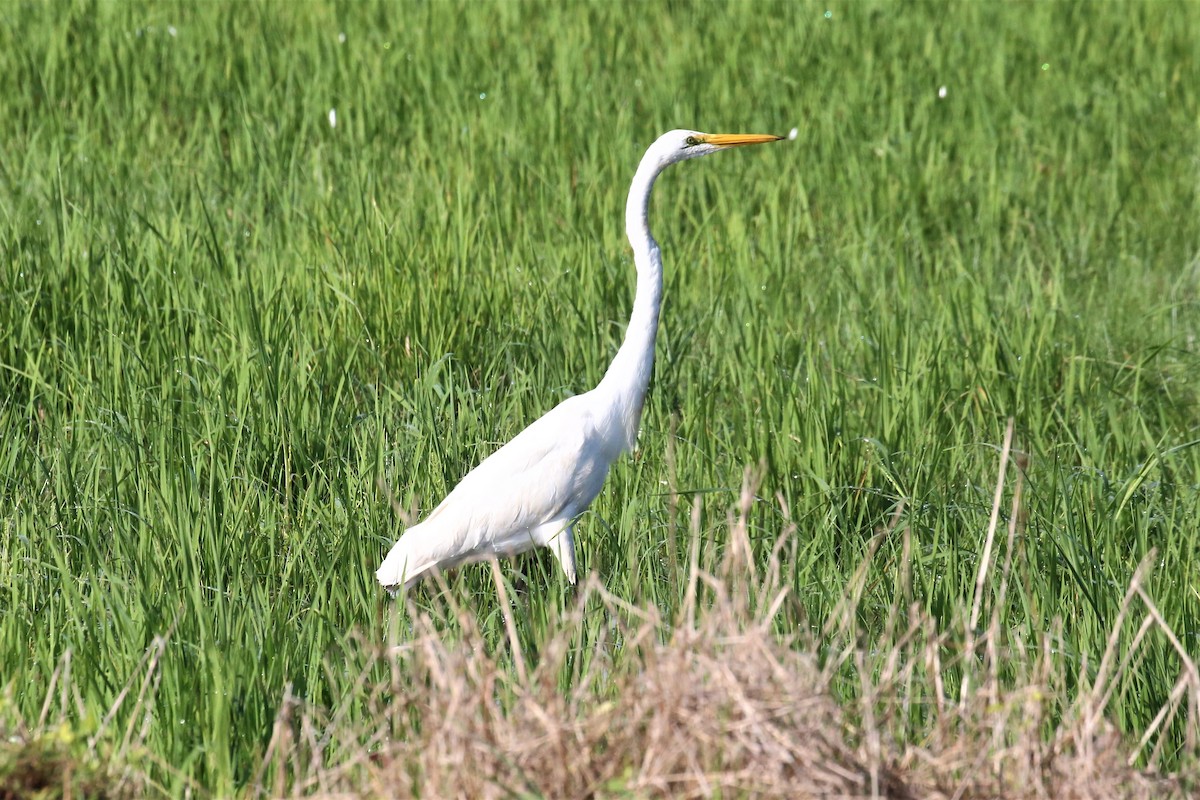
(624, 384)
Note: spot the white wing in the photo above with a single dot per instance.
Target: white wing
(518, 498)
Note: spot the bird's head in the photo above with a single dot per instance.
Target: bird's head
(681, 145)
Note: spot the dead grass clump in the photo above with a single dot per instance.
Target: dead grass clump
(56, 756)
(54, 764)
(714, 707)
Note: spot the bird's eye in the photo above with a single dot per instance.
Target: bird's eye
(691, 141)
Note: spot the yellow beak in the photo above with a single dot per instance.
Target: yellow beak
(737, 139)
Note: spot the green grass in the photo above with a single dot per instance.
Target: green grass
(230, 333)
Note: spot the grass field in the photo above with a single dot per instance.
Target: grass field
(273, 272)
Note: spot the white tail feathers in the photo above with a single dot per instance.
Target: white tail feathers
(415, 554)
(394, 572)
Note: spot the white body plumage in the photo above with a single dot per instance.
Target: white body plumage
(527, 493)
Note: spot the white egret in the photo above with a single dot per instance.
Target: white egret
(528, 493)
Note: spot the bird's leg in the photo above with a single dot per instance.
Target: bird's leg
(562, 543)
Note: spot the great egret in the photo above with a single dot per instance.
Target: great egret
(528, 493)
